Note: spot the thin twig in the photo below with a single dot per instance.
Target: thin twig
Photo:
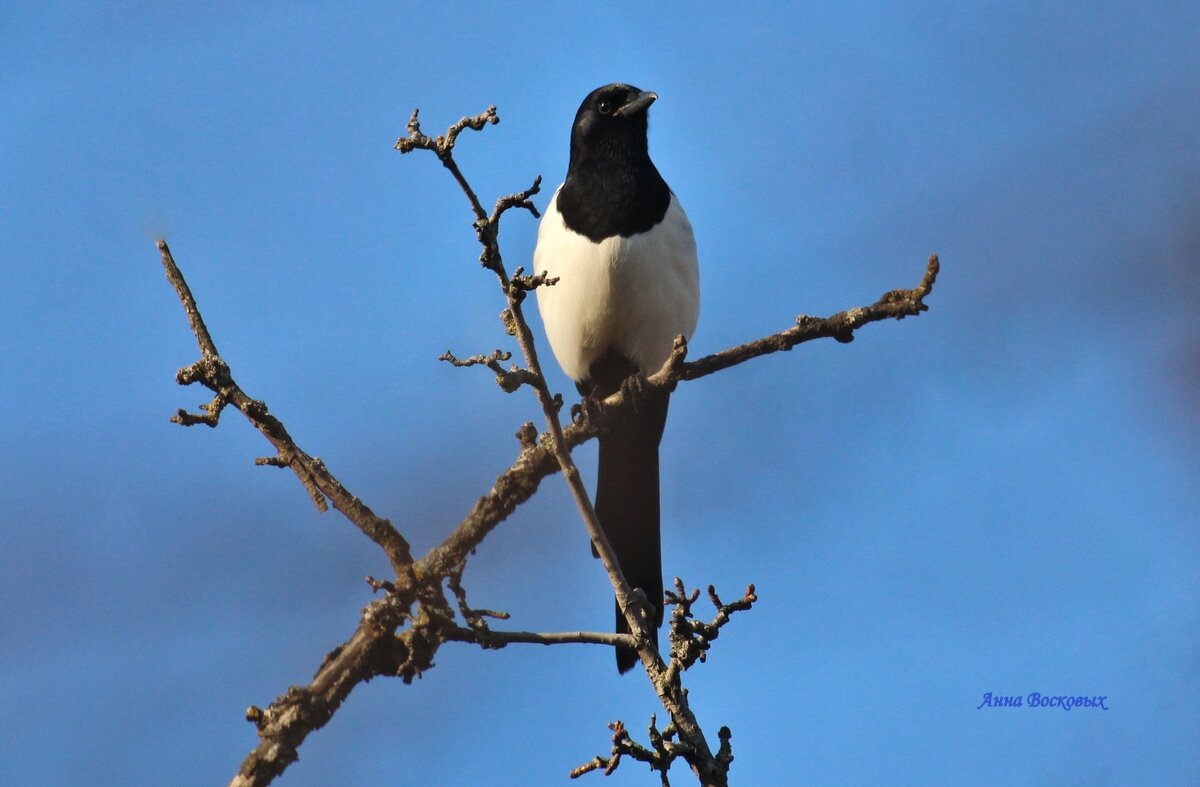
(661, 753)
(509, 379)
(494, 638)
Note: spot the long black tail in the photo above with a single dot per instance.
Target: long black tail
(627, 506)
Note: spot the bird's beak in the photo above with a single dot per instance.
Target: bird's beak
(639, 103)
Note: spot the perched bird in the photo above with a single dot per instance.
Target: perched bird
(624, 254)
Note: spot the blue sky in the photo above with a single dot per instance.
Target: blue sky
(1000, 495)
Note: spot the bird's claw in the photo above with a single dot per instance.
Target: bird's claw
(633, 388)
(588, 409)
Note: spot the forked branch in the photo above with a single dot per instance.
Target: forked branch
(399, 633)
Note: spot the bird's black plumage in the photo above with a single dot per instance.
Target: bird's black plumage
(623, 251)
(612, 186)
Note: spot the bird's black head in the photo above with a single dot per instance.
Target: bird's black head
(612, 187)
(611, 123)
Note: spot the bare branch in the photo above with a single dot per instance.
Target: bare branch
(520, 200)
(282, 730)
(372, 650)
(508, 379)
(207, 347)
(491, 638)
(475, 618)
(210, 417)
(691, 638)
(666, 683)
(660, 755)
(443, 145)
(896, 304)
(416, 596)
(213, 373)
(491, 360)
(520, 481)
(380, 584)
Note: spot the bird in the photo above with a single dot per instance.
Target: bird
(623, 252)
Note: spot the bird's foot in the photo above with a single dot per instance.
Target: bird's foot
(634, 388)
(587, 410)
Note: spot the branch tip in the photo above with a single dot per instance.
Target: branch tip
(377, 585)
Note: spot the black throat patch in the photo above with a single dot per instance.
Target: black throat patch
(603, 202)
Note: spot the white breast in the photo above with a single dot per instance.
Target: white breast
(633, 294)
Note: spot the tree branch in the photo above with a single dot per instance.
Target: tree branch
(213, 373)
(498, 639)
(896, 304)
(373, 650)
(416, 599)
(659, 756)
(520, 481)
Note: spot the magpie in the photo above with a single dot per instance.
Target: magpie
(622, 249)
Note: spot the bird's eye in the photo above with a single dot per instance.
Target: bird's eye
(605, 106)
